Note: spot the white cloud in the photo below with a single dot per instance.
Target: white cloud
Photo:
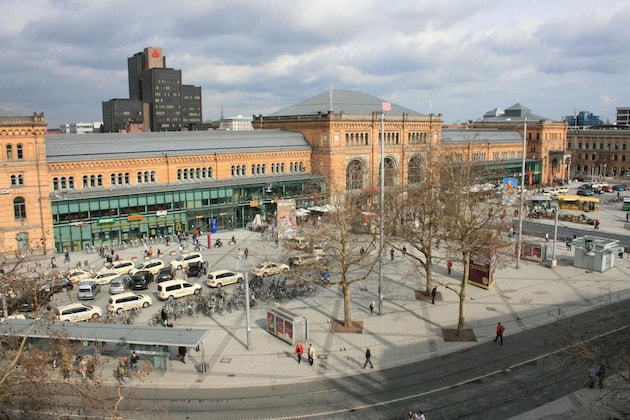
(65, 57)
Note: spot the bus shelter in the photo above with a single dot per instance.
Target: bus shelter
(151, 343)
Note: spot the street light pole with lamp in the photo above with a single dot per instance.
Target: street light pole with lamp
(522, 198)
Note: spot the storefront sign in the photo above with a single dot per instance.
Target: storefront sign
(134, 218)
(161, 212)
(105, 220)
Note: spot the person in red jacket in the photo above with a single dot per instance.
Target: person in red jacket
(299, 350)
(500, 329)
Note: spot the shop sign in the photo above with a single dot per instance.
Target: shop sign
(134, 218)
(105, 220)
(161, 212)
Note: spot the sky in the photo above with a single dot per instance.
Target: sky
(455, 58)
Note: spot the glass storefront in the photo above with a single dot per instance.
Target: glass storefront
(95, 221)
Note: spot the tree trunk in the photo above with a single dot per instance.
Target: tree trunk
(428, 271)
(462, 293)
(347, 319)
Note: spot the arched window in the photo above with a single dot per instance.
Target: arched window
(153, 176)
(20, 152)
(55, 184)
(179, 174)
(9, 151)
(19, 208)
(71, 182)
(355, 175)
(415, 174)
(390, 172)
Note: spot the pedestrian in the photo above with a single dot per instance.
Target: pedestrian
(368, 356)
(246, 252)
(66, 257)
(391, 254)
(627, 216)
(53, 262)
(592, 373)
(500, 329)
(311, 354)
(546, 237)
(371, 307)
(164, 317)
(404, 251)
(449, 266)
(568, 244)
(420, 415)
(299, 349)
(601, 374)
(433, 293)
(181, 354)
(133, 360)
(596, 224)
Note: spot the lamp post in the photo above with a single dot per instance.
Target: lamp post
(382, 211)
(522, 198)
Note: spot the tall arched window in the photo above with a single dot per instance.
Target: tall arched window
(415, 169)
(19, 208)
(355, 175)
(20, 152)
(9, 151)
(390, 172)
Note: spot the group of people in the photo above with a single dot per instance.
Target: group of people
(299, 350)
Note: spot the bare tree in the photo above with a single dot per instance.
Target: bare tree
(351, 256)
(470, 216)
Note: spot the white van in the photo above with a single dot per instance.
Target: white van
(128, 301)
(174, 289)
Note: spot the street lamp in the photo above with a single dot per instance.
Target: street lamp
(522, 198)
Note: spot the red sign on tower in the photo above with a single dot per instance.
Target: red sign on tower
(155, 54)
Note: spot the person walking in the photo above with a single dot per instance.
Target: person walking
(546, 237)
(164, 317)
(368, 357)
(391, 254)
(311, 354)
(53, 262)
(433, 293)
(133, 361)
(601, 374)
(246, 252)
(299, 350)
(500, 330)
(66, 257)
(449, 266)
(181, 354)
(372, 307)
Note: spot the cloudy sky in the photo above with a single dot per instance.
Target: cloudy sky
(457, 58)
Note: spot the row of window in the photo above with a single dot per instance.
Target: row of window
(146, 177)
(614, 158)
(357, 139)
(261, 168)
(418, 138)
(609, 146)
(19, 152)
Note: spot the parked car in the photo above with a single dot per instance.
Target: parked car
(76, 312)
(304, 259)
(88, 290)
(619, 187)
(58, 285)
(104, 277)
(164, 274)
(119, 284)
(196, 269)
(607, 188)
(319, 250)
(141, 280)
(222, 278)
(153, 265)
(174, 289)
(183, 260)
(77, 276)
(296, 243)
(128, 301)
(265, 269)
(586, 192)
(122, 266)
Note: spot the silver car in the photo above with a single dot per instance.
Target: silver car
(119, 285)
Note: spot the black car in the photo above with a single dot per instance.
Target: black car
(141, 280)
(60, 285)
(196, 269)
(585, 192)
(164, 274)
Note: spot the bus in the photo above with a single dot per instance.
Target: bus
(625, 205)
(578, 202)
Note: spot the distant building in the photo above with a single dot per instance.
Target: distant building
(235, 123)
(623, 116)
(584, 119)
(157, 98)
(81, 128)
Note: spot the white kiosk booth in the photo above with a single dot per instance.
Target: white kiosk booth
(594, 253)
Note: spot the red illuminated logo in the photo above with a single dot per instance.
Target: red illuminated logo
(155, 54)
